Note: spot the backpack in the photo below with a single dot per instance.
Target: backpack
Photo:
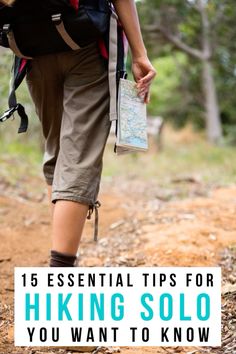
(32, 28)
(66, 25)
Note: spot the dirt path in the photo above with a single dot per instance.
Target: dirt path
(137, 227)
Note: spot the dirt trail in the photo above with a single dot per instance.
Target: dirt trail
(136, 228)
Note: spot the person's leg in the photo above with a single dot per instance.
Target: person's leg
(68, 223)
(68, 214)
(45, 84)
(51, 205)
(79, 149)
(84, 131)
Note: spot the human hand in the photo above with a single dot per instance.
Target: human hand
(143, 73)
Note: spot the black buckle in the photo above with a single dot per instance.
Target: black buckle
(122, 74)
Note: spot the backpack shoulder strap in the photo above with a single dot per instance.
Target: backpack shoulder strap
(7, 30)
(112, 65)
(118, 47)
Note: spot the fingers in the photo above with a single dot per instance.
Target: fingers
(147, 79)
(146, 97)
(144, 84)
(144, 91)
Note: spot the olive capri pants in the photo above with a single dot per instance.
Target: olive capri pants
(71, 94)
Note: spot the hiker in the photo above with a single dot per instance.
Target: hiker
(76, 176)
(70, 90)
(71, 95)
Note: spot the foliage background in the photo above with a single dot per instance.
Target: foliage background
(177, 93)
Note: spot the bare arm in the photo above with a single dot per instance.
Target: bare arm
(127, 12)
(142, 69)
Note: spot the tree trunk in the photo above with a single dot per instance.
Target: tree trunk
(213, 122)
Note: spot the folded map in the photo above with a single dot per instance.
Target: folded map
(132, 119)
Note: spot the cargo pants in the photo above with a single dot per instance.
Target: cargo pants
(70, 91)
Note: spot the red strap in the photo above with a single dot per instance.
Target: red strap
(23, 64)
(102, 48)
(75, 4)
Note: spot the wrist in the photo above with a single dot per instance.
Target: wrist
(138, 54)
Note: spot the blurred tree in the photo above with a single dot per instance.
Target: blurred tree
(201, 29)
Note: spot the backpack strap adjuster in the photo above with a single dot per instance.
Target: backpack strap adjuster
(56, 18)
(6, 28)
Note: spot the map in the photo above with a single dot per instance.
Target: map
(132, 119)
